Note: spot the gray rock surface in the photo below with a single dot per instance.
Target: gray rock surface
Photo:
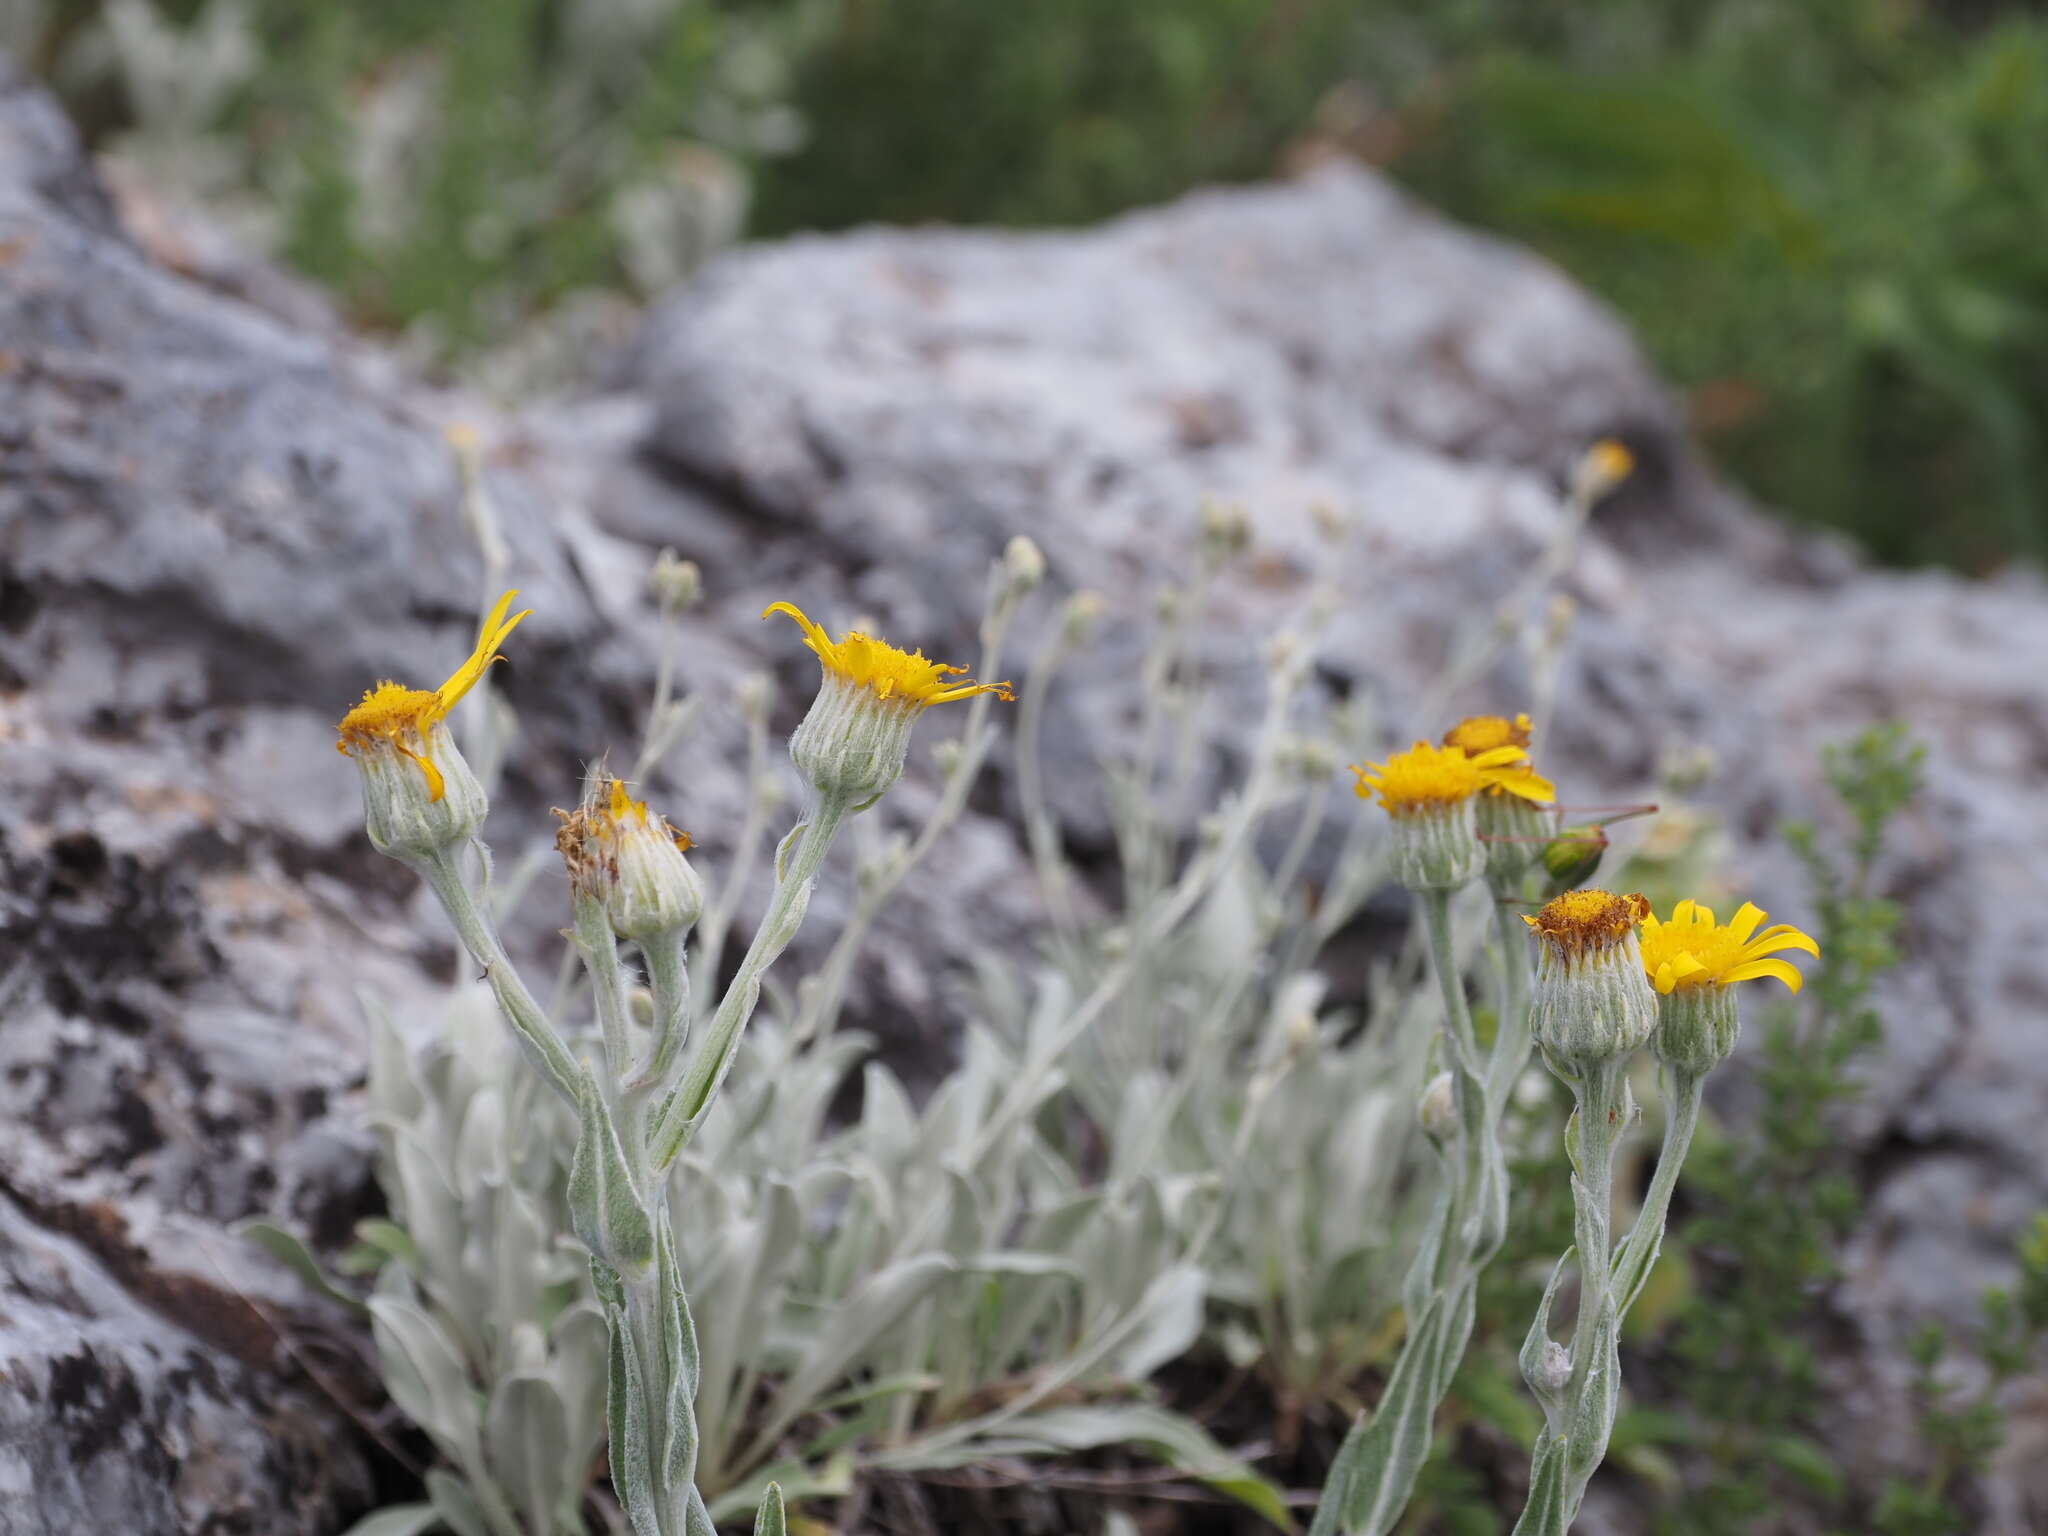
(217, 526)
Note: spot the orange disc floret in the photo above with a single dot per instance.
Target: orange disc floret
(1692, 950)
(391, 715)
(1427, 778)
(882, 669)
(1484, 733)
(1581, 922)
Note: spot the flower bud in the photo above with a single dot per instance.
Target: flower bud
(1571, 858)
(753, 694)
(1437, 1110)
(1226, 531)
(1550, 1371)
(1023, 564)
(1593, 1002)
(1078, 621)
(631, 863)
(1600, 469)
(676, 582)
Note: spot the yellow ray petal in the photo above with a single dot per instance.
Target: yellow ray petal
(1756, 968)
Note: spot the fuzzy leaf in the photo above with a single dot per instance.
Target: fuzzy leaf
(397, 1520)
(288, 1250)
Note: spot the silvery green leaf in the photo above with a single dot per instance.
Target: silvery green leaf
(428, 1206)
(390, 1239)
(1175, 1439)
(426, 1376)
(480, 1145)
(398, 1520)
(579, 1349)
(287, 1249)
(603, 1204)
(1168, 1321)
(630, 1435)
(525, 1429)
(394, 1092)
(833, 1480)
(874, 1307)
(769, 1519)
(457, 1504)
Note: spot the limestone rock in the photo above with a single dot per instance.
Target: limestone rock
(218, 524)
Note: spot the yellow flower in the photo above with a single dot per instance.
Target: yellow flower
(882, 669)
(1484, 733)
(400, 718)
(1427, 778)
(1693, 951)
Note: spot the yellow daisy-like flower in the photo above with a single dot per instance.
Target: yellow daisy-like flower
(1692, 950)
(1427, 778)
(1485, 733)
(882, 669)
(398, 717)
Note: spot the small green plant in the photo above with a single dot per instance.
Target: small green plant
(1961, 1430)
(1772, 1206)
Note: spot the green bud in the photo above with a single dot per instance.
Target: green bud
(1572, 857)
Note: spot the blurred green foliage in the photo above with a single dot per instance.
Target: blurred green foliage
(1823, 219)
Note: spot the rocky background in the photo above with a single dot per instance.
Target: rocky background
(221, 517)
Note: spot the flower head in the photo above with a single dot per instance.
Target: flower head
(1430, 792)
(1425, 778)
(1592, 1001)
(1514, 826)
(631, 861)
(1694, 963)
(395, 718)
(1692, 950)
(419, 795)
(852, 743)
(1485, 733)
(907, 676)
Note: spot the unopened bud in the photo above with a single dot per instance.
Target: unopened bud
(1226, 531)
(1600, 469)
(1082, 611)
(752, 695)
(676, 582)
(1437, 1110)
(1551, 1370)
(1023, 563)
(1571, 858)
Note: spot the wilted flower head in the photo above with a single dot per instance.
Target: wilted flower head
(1694, 963)
(1592, 1001)
(1429, 792)
(631, 862)
(418, 793)
(853, 741)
